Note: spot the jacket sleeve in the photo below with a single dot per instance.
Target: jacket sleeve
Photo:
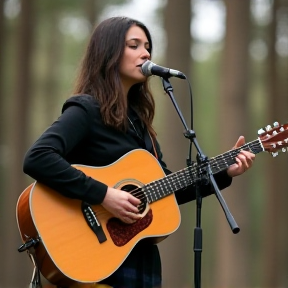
(45, 160)
(187, 194)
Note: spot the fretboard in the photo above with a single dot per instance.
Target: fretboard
(181, 179)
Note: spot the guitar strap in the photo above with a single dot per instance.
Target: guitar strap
(149, 142)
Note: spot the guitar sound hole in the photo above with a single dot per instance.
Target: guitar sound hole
(138, 193)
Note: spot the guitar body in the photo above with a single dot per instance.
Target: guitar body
(69, 252)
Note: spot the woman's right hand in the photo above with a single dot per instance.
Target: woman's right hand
(122, 205)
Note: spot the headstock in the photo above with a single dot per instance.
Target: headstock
(274, 138)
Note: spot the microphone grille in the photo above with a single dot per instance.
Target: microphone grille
(146, 68)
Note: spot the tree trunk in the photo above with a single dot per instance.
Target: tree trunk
(53, 64)
(10, 240)
(275, 229)
(3, 143)
(232, 252)
(177, 262)
(3, 128)
(2, 54)
(92, 10)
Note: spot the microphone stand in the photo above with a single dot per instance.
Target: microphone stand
(206, 176)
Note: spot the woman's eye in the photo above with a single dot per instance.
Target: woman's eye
(133, 46)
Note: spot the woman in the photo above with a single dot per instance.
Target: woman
(111, 114)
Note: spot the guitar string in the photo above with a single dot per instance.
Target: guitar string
(221, 163)
(211, 161)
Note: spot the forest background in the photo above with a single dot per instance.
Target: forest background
(235, 55)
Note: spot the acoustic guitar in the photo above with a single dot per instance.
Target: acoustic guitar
(75, 242)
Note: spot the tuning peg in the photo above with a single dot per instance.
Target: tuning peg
(276, 124)
(261, 131)
(268, 128)
(274, 154)
(274, 132)
(284, 149)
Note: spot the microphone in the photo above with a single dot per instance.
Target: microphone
(149, 68)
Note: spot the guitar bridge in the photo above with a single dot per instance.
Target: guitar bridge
(92, 222)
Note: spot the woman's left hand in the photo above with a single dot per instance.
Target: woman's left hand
(244, 160)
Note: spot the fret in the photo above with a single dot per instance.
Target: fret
(171, 184)
(189, 175)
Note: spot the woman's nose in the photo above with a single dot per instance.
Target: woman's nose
(145, 54)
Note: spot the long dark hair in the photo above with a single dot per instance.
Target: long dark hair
(99, 75)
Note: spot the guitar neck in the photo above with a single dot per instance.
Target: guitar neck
(158, 189)
(223, 161)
